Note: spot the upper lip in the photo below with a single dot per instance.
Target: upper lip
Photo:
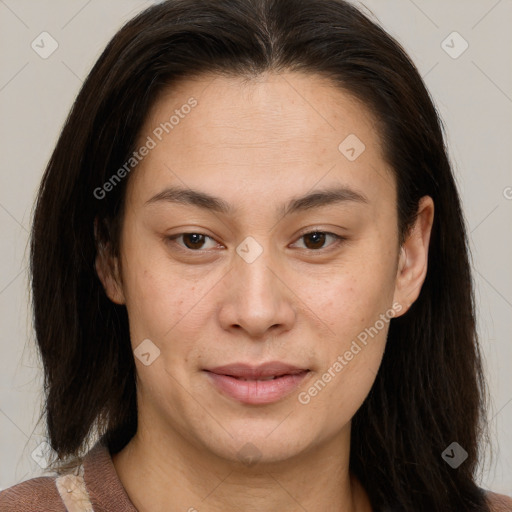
(247, 371)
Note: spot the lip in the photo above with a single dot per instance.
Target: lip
(228, 380)
(247, 371)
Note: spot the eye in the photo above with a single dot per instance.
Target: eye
(192, 241)
(316, 239)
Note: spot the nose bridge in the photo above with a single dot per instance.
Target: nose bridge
(252, 268)
(260, 300)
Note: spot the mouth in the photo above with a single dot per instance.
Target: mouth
(265, 371)
(263, 384)
(262, 379)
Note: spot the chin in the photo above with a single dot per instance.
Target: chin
(261, 443)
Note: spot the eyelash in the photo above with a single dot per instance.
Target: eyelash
(339, 239)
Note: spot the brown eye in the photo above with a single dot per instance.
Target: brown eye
(191, 241)
(315, 240)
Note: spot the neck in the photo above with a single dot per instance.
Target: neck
(162, 470)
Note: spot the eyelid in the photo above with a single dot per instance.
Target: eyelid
(178, 235)
(338, 240)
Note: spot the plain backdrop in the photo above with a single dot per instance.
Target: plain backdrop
(468, 75)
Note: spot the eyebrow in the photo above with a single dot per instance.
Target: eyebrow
(315, 199)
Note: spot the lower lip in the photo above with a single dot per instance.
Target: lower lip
(257, 391)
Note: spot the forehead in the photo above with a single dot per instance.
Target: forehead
(244, 139)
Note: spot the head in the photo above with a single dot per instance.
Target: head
(217, 119)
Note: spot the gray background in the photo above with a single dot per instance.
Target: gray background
(472, 92)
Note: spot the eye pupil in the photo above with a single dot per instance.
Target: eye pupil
(195, 237)
(318, 239)
(314, 240)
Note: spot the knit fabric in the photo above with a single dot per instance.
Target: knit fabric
(95, 487)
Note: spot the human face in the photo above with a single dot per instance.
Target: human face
(249, 287)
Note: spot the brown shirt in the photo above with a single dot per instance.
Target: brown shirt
(97, 488)
(103, 489)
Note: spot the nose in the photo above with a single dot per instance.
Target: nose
(257, 298)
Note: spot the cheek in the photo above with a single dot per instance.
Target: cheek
(158, 294)
(172, 310)
(162, 306)
(356, 303)
(349, 367)
(351, 298)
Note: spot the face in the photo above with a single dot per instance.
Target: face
(260, 227)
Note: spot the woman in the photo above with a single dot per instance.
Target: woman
(250, 275)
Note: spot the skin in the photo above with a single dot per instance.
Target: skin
(257, 145)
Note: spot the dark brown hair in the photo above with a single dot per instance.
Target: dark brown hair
(430, 389)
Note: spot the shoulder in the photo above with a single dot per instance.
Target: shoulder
(498, 502)
(36, 494)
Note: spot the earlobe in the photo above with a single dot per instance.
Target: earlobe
(107, 270)
(402, 263)
(413, 260)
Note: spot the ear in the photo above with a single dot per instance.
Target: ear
(413, 260)
(107, 268)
